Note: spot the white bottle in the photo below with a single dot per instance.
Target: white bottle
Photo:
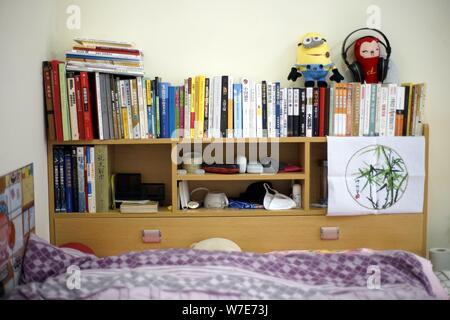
(296, 195)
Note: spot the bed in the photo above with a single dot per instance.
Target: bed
(50, 272)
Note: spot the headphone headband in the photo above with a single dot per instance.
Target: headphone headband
(386, 45)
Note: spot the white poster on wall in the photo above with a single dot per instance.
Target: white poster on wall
(375, 175)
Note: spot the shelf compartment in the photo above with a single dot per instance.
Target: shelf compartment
(241, 177)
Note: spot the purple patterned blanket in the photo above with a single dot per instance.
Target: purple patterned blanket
(53, 273)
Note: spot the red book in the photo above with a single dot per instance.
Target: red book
(106, 50)
(322, 92)
(56, 100)
(79, 103)
(87, 108)
(50, 114)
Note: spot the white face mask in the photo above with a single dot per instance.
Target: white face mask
(277, 201)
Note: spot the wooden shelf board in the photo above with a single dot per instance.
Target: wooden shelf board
(165, 213)
(181, 141)
(240, 176)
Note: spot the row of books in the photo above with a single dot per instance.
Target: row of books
(88, 105)
(105, 56)
(81, 179)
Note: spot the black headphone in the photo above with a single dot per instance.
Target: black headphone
(355, 67)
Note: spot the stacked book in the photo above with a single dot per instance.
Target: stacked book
(145, 206)
(81, 179)
(105, 56)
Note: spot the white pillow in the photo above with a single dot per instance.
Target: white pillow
(219, 244)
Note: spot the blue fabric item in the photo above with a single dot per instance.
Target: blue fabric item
(236, 204)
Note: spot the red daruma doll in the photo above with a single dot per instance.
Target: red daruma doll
(367, 53)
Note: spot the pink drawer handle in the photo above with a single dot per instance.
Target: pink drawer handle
(151, 236)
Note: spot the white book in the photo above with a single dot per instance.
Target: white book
(245, 108)
(209, 131)
(392, 106)
(367, 110)
(270, 107)
(384, 100)
(309, 112)
(71, 95)
(140, 100)
(129, 112)
(91, 181)
(331, 116)
(343, 115)
(99, 105)
(400, 102)
(287, 109)
(187, 110)
(217, 105)
(252, 111)
(378, 106)
(259, 122)
(274, 111)
(144, 99)
(362, 109)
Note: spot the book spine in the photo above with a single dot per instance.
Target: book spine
(56, 181)
(171, 110)
(331, 111)
(237, 98)
(349, 111)
(406, 117)
(106, 106)
(196, 93)
(264, 107)
(181, 112)
(315, 123)
(192, 88)
(302, 120)
(277, 109)
(62, 179)
(81, 182)
(201, 106)
(322, 92)
(98, 84)
(136, 127)
(68, 180)
(356, 101)
(400, 111)
(392, 106)
(224, 107)
(367, 105)
(90, 156)
(79, 107)
(156, 101)
(245, 108)
(142, 112)
(124, 109)
(118, 98)
(343, 109)
(286, 97)
(102, 179)
(230, 123)
(292, 104)
(259, 119)
(211, 109)
(206, 107)
(65, 114)
(73, 151)
(252, 113)
(187, 109)
(295, 121)
(420, 109)
(87, 107)
(309, 112)
(48, 100)
(270, 112)
(327, 110)
(114, 125)
(56, 94)
(383, 111)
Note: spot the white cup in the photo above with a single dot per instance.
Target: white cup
(242, 162)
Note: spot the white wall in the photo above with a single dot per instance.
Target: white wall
(258, 39)
(25, 37)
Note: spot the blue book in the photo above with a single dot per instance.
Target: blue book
(56, 181)
(68, 180)
(150, 120)
(62, 193)
(277, 108)
(237, 112)
(89, 177)
(164, 109)
(373, 109)
(172, 111)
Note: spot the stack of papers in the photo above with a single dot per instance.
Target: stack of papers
(145, 206)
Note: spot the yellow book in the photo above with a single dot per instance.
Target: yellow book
(201, 106)
(230, 108)
(148, 86)
(192, 85)
(125, 123)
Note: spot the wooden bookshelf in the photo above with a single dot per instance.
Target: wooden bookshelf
(251, 229)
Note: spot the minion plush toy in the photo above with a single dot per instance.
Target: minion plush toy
(313, 62)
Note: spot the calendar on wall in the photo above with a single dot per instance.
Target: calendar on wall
(17, 221)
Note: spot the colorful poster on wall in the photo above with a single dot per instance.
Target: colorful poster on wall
(375, 175)
(16, 223)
